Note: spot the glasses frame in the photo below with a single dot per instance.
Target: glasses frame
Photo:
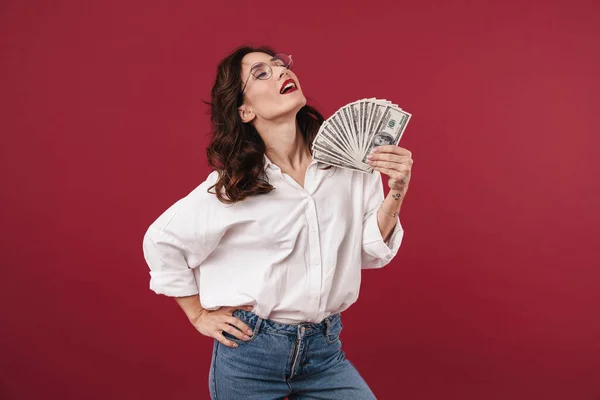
(287, 66)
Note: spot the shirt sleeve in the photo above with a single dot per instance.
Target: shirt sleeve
(376, 253)
(179, 241)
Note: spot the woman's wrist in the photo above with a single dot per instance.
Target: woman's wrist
(191, 307)
(392, 203)
(391, 215)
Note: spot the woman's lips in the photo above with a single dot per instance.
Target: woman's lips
(288, 86)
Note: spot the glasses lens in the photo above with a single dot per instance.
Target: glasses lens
(283, 60)
(261, 71)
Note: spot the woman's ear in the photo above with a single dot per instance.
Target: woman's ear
(246, 114)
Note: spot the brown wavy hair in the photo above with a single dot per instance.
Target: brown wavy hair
(236, 150)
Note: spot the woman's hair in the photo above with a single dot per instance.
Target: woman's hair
(236, 150)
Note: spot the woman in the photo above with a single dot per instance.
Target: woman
(267, 252)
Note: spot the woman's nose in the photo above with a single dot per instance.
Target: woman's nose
(283, 72)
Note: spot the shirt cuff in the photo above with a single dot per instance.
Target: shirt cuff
(373, 243)
(174, 283)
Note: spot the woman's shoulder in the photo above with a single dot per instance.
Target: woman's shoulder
(209, 181)
(205, 193)
(198, 201)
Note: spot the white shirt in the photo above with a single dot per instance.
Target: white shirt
(295, 254)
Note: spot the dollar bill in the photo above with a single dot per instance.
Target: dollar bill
(347, 137)
(332, 144)
(324, 144)
(388, 130)
(324, 156)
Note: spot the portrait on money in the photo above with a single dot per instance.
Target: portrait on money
(382, 138)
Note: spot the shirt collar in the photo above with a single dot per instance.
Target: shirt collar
(269, 164)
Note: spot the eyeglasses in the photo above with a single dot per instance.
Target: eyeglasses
(263, 71)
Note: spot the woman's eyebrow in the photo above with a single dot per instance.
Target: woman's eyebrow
(256, 65)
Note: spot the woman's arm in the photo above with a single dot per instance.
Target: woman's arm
(190, 306)
(181, 238)
(388, 213)
(396, 162)
(382, 231)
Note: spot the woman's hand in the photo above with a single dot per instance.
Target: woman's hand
(214, 323)
(395, 162)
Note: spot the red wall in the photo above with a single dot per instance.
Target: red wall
(495, 293)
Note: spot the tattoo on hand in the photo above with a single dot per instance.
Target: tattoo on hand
(396, 196)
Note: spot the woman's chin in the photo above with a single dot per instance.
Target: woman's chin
(297, 98)
(301, 102)
(292, 107)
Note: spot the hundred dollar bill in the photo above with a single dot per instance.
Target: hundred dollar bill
(347, 137)
(330, 129)
(340, 126)
(351, 131)
(327, 158)
(325, 145)
(328, 134)
(388, 129)
(374, 118)
(354, 110)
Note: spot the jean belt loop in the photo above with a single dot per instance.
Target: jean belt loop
(257, 326)
(327, 326)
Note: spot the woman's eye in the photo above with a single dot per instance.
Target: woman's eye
(261, 75)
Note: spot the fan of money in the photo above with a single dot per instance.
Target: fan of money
(346, 138)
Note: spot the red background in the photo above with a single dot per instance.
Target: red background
(495, 293)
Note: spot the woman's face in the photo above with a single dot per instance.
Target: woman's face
(272, 98)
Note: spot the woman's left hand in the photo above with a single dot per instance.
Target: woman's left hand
(395, 162)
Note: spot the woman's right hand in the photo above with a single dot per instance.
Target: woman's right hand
(214, 323)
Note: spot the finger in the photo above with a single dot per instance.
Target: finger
(392, 164)
(240, 325)
(389, 157)
(399, 176)
(383, 170)
(390, 148)
(404, 168)
(233, 331)
(232, 309)
(222, 339)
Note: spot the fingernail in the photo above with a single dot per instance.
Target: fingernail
(249, 332)
(246, 337)
(235, 345)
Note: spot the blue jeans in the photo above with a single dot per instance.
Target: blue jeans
(300, 362)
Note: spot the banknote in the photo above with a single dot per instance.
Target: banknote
(347, 137)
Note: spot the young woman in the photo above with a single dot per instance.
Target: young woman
(265, 254)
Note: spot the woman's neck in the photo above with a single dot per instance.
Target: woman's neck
(285, 145)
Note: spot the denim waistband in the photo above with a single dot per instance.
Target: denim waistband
(257, 323)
